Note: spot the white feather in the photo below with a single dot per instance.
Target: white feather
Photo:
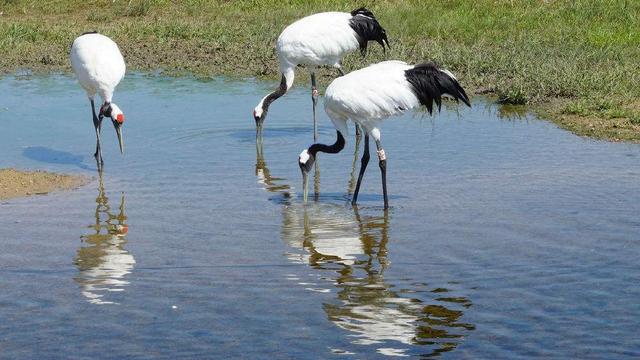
(98, 64)
(304, 156)
(449, 73)
(371, 94)
(319, 39)
(115, 111)
(257, 111)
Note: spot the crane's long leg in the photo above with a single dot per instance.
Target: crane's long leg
(383, 170)
(358, 137)
(314, 99)
(363, 167)
(97, 124)
(316, 180)
(352, 177)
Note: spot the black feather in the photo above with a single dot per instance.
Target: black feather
(429, 84)
(362, 11)
(364, 23)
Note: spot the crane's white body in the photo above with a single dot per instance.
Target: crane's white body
(370, 95)
(98, 64)
(316, 40)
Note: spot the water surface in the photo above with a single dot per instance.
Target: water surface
(506, 237)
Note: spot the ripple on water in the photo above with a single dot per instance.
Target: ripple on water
(350, 248)
(505, 238)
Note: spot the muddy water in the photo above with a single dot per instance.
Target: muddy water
(506, 237)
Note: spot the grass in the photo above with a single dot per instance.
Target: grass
(575, 62)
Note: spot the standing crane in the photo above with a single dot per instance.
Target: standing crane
(372, 94)
(317, 40)
(99, 67)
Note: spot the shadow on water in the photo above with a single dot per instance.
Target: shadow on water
(51, 156)
(347, 248)
(102, 261)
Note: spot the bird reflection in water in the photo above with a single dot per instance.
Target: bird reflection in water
(277, 184)
(349, 252)
(102, 260)
(269, 183)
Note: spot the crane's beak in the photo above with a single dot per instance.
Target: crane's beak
(120, 141)
(305, 187)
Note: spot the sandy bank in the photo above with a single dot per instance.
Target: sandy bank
(17, 183)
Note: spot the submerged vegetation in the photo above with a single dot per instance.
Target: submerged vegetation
(576, 62)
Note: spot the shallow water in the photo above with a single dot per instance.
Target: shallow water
(507, 238)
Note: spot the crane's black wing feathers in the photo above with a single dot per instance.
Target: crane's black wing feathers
(365, 24)
(429, 84)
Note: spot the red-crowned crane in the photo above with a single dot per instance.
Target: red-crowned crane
(317, 40)
(99, 67)
(372, 94)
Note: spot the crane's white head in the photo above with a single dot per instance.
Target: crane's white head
(307, 158)
(305, 161)
(259, 113)
(112, 110)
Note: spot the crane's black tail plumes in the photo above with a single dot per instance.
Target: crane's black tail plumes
(429, 84)
(368, 28)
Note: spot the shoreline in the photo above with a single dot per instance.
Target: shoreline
(553, 110)
(15, 183)
(572, 63)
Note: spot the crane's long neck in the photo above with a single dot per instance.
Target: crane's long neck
(331, 149)
(307, 158)
(285, 84)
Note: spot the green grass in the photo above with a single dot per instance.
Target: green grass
(575, 61)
